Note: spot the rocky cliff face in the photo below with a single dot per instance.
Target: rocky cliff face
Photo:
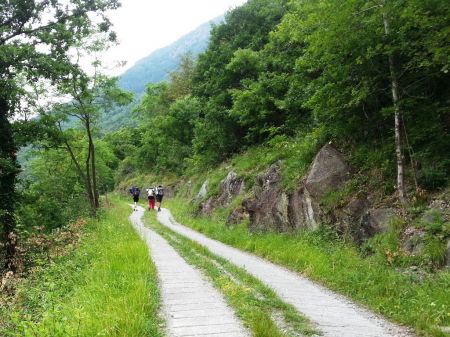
(271, 208)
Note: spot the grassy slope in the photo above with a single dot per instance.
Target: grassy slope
(106, 287)
(423, 305)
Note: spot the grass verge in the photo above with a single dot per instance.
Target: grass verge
(106, 287)
(423, 304)
(258, 306)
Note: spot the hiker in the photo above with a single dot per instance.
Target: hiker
(159, 196)
(135, 191)
(151, 197)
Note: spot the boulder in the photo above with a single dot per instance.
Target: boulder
(374, 221)
(229, 188)
(347, 219)
(269, 209)
(303, 211)
(328, 172)
(207, 207)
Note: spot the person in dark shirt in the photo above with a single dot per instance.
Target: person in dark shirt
(135, 191)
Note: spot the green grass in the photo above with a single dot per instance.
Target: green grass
(423, 304)
(106, 287)
(293, 154)
(254, 303)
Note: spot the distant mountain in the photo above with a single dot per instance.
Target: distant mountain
(157, 66)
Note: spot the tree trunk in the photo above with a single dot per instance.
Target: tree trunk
(88, 176)
(397, 119)
(8, 173)
(81, 174)
(93, 166)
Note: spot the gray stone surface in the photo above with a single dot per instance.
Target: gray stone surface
(327, 173)
(334, 315)
(203, 191)
(268, 210)
(375, 221)
(191, 305)
(229, 188)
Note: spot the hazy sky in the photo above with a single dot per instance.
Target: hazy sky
(145, 25)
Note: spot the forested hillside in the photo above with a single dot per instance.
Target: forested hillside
(158, 65)
(154, 68)
(313, 133)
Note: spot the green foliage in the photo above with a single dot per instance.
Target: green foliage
(167, 136)
(387, 247)
(52, 191)
(340, 197)
(436, 238)
(230, 60)
(317, 70)
(52, 195)
(107, 286)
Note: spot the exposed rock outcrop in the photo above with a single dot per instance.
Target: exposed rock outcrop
(328, 172)
(304, 212)
(374, 221)
(275, 210)
(414, 241)
(269, 209)
(203, 192)
(347, 219)
(238, 215)
(230, 187)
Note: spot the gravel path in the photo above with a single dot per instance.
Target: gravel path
(191, 305)
(333, 314)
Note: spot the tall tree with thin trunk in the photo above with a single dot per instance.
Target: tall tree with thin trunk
(393, 69)
(36, 37)
(90, 97)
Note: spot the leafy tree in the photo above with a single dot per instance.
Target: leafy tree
(181, 79)
(230, 59)
(90, 97)
(168, 132)
(350, 63)
(35, 41)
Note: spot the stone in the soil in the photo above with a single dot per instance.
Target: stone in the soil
(328, 172)
(375, 221)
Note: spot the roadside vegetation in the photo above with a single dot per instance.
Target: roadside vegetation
(278, 80)
(105, 285)
(420, 301)
(259, 308)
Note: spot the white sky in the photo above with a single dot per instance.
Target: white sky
(143, 26)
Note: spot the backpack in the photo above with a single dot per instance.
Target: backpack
(159, 191)
(151, 192)
(135, 191)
